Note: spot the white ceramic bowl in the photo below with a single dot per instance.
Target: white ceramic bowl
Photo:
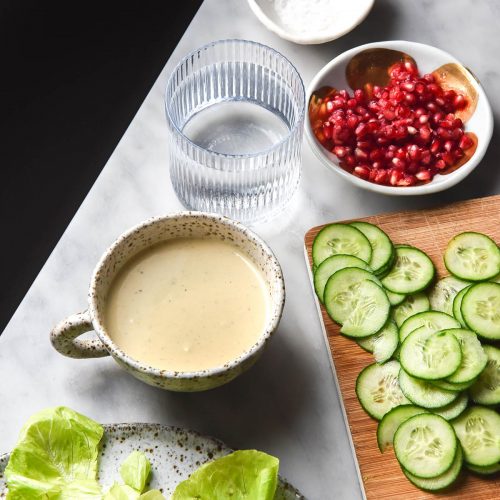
(428, 59)
(349, 15)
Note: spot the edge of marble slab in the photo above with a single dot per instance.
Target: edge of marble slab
(334, 371)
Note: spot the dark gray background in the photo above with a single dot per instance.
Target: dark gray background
(73, 75)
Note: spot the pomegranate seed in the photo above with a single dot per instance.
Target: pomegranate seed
(429, 78)
(423, 119)
(465, 142)
(448, 158)
(407, 180)
(440, 164)
(449, 146)
(351, 160)
(398, 163)
(412, 130)
(360, 154)
(362, 171)
(361, 129)
(424, 175)
(414, 152)
(459, 102)
(340, 151)
(352, 121)
(381, 176)
(435, 146)
(395, 176)
(425, 133)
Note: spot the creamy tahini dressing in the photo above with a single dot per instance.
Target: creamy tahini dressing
(187, 304)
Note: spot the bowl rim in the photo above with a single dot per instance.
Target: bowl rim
(452, 178)
(301, 106)
(307, 39)
(275, 314)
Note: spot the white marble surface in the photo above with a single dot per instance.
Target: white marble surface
(287, 404)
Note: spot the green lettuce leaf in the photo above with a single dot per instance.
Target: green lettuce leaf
(135, 471)
(55, 457)
(152, 495)
(242, 475)
(121, 492)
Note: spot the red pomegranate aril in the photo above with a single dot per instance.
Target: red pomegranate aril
(360, 154)
(435, 146)
(459, 102)
(340, 151)
(399, 163)
(425, 133)
(440, 164)
(423, 119)
(395, 176)
(396, 135)
(351, 161)
(457, 133)
(362, 171)
(465, 142)
(424, 175)
(381, 176)
(352, 121)
(407, 180)
(414, 152)
(449, 146)
(448, 158)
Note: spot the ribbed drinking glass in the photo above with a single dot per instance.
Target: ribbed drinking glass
(235, 112)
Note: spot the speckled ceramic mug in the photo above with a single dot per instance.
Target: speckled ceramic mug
(64, 336)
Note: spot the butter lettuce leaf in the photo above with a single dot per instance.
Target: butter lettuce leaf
(135, 471)
(242, 475)
(122, 492)
(55, 457)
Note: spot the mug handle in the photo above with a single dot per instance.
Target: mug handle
(64, 338)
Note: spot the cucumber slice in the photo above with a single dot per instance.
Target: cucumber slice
(355, 300)
(369, 312)
(490, 469)
(378, 389)
(383, 343)
(395, 298)
(473, 357)
(478, 429)
(454, 409)
(412, 271)
(330, 266)
(384, 271)
(340, 239)
(481, 310)
(390, 422)
(472, 256)
(413, 304)
(486, 390)
(430, 356)
(443, 480)
(382, 248)
(457, 305)
(425, 445)
(443, 293)
(447, 386)
(423, 393)
(433, 320)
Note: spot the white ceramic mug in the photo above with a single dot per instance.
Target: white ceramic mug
(64, 336)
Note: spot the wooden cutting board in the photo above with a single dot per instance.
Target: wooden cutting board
(429, 230)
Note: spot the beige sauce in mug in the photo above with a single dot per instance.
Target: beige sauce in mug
(187, 304)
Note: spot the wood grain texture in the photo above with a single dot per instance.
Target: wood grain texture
(429, 230)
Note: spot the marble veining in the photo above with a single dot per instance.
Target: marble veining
(287, 404)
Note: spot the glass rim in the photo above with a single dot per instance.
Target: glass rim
(244, 155)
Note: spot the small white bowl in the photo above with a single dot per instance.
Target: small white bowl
(349, 15)
(428, 58)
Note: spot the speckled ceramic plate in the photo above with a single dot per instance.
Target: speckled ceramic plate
(174, 454)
